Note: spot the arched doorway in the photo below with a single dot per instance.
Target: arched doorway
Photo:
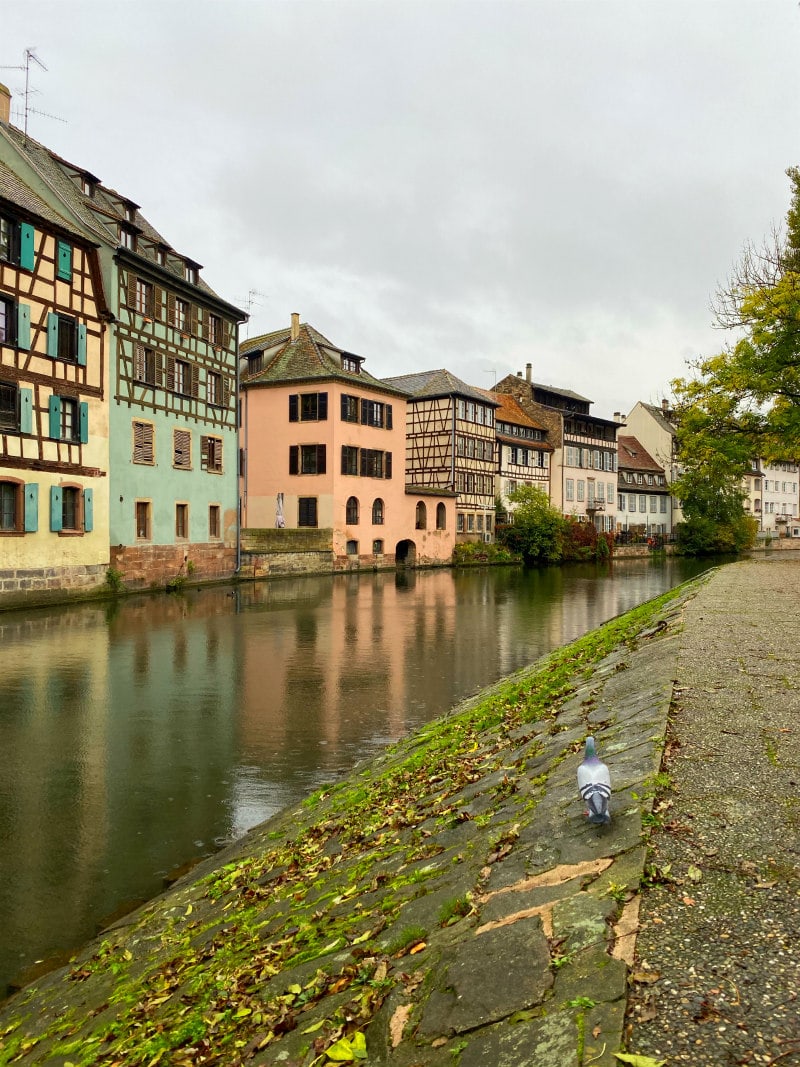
(405, 554)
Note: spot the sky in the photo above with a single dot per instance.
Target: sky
(468, 185)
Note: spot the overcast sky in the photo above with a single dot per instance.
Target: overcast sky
(465, 185)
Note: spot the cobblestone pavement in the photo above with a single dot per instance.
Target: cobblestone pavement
(717, 974)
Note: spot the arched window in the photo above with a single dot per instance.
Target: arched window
(377, 512)
(422, 516)
(351, 517)
(441, 517)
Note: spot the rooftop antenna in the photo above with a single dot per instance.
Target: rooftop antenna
(31, 57)
(249, 303)
(494, 372)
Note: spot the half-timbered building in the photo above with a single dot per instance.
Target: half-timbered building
(523, 451)
(450, 444)
(323, 450)
(584, 465)
(53, 410)
(172, 353)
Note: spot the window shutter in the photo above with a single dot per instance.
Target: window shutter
(88, 510)
(294, 458)
(52, 335)
(363, 453)
(226, 332)
(31, 507)
(26, 411)
(293, 407)
(388, 458)
(158, 360)
(344, 459)
(84, 422)
(388, 416)
(320, 459)
(81, 345)
(55, 508)
(365, 412)
(194, 319)
(26, 246)
(130, 298)
(344, 407)
(54, 409)
(226, 392)
(171, 308)
(23, 326)
(64, 261)
(171, 373)
(322, 406)
(158, 300)
(194, 388)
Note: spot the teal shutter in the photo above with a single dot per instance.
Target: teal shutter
(52, 335)
(26, 411)
(55, 508)
(84, 422)
(88, 510)
(64, 257)
(26, 249)
(81, 345)
(24, 326)
(31, 507)
(54, 409)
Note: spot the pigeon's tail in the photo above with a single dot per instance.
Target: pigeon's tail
(596, 796)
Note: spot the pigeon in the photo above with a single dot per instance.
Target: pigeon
(594, 785)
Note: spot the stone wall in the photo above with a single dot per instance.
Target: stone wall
(42, 585)
(144, 566)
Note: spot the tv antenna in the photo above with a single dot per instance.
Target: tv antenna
(249, 303)
(31, 57)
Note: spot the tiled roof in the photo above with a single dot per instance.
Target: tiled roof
(509, 410)
(13, 189)
(562, 392)
(633, 456)
(311, 356)
(434, 383)
(103, 212)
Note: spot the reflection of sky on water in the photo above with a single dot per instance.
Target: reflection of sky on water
(137, 735)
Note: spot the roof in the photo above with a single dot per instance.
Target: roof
(561, 392)
(633, 456)
(434, 383)
(310, 357)
(14, 189)
(660, 416)
(104, 211)
(509, 410)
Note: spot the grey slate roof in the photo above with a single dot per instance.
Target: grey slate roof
(14, 189)
(434, 383)
(312, 356)
(660, 417)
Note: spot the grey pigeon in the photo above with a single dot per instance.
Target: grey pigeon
(594, 785)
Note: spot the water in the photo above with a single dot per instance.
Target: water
(138, 735)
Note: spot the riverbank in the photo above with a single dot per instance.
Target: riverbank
(460, 860)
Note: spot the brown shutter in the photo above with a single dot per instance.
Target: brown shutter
(131, 299)
(194, 320)
(171, 309)
(171, 373)
(194, 388)
(158, 363)
(226, 392)
(226, 333)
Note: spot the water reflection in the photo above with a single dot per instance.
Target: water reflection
(136, 735)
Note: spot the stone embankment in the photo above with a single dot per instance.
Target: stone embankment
(446, 905)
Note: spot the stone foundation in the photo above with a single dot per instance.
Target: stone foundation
(42, 585)
(145, 566)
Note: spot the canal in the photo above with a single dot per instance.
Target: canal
(141, 734)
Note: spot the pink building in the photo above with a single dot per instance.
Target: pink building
(324, 451)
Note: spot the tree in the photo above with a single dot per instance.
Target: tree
(746, 400)
(538, 529)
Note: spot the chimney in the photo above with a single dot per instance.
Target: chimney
(295, 325)
(528, 369)
(5, 105)
(618, 416)
(665, 404)
(519, 373)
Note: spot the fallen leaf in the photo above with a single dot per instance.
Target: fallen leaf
(688, 901)
(597, 1031)
(638, 1061)
(694, 873)
(646, 977)
(419, 947)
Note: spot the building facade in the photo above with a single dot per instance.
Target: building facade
(644, 502)
(654, 426)
(450, 445)
(323, 452)
(54, 433)
(523, 452)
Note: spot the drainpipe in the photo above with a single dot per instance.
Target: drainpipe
(453, 446)
(238, 453)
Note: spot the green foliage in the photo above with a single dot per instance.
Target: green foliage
(475, 553)
(710, 490)
(114, 580)
(744, 402)
(539, 529)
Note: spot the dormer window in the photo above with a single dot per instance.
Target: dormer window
(127, 238)
(191, 274)
(130, 213)
(87, 187)
(161, 257)
(350, 364)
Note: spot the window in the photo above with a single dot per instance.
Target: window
(66, 339)
(373, 413)
(7, 317)
(350, 408)
(127, 238)
(7, 239)
(214, 522)
(182, 449)
(375, 464)
(17, 242)
(70, 429)
(489, 521)
(480, 523)
(181, 315)
(654, 503)
(68, 419)
(377, 512)
(581, 487)
(307, 459)
(351, 511)
(308, 407)
(214, 329)
(352, 548)
(570, 489)
(143, 510)
(143, 442)
(211, 454)
(470, 523)
(632, 502)
(144, 365)
(214, 388)
(460, 522)
(349, 459)
(441, 517)
(621, 502)
(191, 274)
(377, 548)
(663, 505)
(610, 497)
(143, 300)
(307, 511)
(421, 516)
(182, 377)
(642, 503)
(70, 508)
(9, 407)
(11, 507)
(351, 364)
(181, 521)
